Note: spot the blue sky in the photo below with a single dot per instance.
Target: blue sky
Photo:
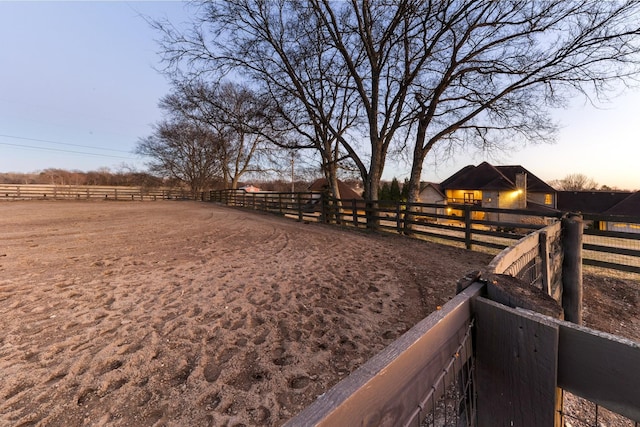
(78, 89)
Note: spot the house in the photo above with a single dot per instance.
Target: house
(346, 192)
(591, 202)
(504, 187)
(628, 207)
(250, 189)
(431, 193)
(622, 204)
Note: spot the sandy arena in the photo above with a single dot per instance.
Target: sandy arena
(191, 314)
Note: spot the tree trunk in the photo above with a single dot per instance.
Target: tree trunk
(416, 173)
(331, 175)
(413, 195)
(371, 187)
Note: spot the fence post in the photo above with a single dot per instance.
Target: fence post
(354, 212)
(398, 221)
(323, 208)
(299, 207)
(467, 226)
(572, 268)
(545, 249)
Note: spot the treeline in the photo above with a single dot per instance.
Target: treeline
(98, 177)
(106, 177)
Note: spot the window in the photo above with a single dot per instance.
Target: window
(468, 198)
(548, 200)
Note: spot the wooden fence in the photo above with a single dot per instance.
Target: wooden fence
(301, 206)
(521, 363)
(471, 226)
(88, 192)
(612, 249)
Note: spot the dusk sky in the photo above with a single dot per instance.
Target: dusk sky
(79, 87)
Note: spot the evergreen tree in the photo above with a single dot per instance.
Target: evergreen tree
(394, 190)
(385, 192)
(404, 196)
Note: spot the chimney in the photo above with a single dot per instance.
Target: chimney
(521, 187)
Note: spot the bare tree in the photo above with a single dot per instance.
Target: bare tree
(235, 115)
(495, 67)
(458, 74)
(281, 48)
(180, 150)
(575, 182)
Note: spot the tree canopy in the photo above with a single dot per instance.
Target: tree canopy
(575, 182)
(370, 79)
(212, 132)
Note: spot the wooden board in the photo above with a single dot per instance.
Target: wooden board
(516, 367)
(515, 293)
(600, 367)
(509, 255)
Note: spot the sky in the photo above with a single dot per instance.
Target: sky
(79, 87)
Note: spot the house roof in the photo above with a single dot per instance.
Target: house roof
(461, 173)
(346, 192)
(629, 206)
(437, 187)
(534, 183)
(488, 177)
(593, 202)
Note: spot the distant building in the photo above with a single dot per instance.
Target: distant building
(250, 189)
(606, 203)
(346, 192)
(503, 187)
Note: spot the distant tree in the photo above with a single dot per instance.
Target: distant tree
(575, 182)
(605, 187)
(235, 115)
(183, 151)
(384, 193)
(394, 190)
(458, 74)
(405, 190)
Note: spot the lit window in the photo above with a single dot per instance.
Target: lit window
(468, 198)
(548, 200)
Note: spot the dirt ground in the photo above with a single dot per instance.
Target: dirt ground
(184, 313)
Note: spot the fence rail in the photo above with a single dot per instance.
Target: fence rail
(609, 248)
(88, 192)
(471, 226)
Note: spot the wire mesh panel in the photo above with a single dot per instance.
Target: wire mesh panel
(528, 268)
(579, 412)
(536, 260)
(451, 401)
